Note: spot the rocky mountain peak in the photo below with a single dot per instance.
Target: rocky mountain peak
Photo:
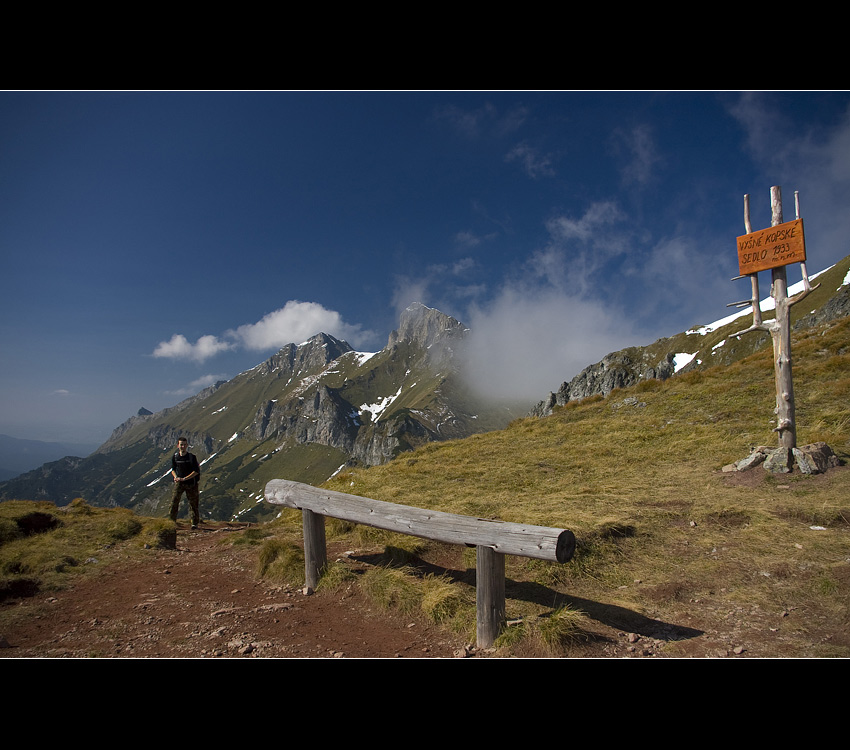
(426, 326)
(313, 354)
(321, 349)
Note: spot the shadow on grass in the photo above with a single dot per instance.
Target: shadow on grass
(610, 615)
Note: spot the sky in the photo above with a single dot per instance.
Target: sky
(154, 242)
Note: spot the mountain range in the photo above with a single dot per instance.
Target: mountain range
(303, 414)
(18, 455)
(314, 408)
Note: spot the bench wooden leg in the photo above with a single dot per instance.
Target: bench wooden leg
(315, 548)
(489, 595)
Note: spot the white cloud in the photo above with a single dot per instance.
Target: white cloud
(179, 347)
(294, 323)
(547, 321)
(467, 239)
(526, 341)
(484, 120)
(598, 216)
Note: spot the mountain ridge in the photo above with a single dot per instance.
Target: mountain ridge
(303, 413)
(702, 346)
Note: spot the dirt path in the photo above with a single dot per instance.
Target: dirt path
(204, 600)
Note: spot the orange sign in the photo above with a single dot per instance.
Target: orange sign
(770, 248)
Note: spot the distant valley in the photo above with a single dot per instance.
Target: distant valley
(18, 455)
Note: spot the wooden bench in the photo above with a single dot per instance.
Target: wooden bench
(492, 540)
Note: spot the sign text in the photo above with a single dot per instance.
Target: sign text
(773, 247)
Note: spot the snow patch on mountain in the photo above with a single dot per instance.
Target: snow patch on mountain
(682, 359)
(381, 406)
(766, 304)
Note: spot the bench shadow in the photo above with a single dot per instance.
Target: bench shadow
(611, 615)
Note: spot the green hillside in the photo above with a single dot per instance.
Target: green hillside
(665, 536)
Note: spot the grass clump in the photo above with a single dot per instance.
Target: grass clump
(444, 602)
(281, 561)
(552, 634)
(392, 588)
(436, 597)
(336, 576)
(561, 629)
(159, 533)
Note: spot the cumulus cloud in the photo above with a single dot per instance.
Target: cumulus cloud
(294, 323)
(179, 347)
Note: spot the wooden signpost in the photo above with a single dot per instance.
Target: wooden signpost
(775, 248)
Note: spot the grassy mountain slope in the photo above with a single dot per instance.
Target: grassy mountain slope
(669, 545)
(703, 346)
(675, 557)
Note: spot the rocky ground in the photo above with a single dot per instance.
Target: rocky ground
(204, 600)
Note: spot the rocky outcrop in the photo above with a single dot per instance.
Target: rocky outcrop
(437, 334)
(324, 417)
(618, 370)
(426, 326)
(165, 438)
(835, 307)
(425, 341)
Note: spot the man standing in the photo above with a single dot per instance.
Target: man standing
(186, 472)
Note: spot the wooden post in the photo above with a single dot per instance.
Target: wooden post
(780, 327)
(781, 335)
(754, 277)
(315, 549)
(489, 595)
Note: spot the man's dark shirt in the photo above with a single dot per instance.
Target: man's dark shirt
(185, 465)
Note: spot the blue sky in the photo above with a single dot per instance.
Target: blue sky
(153, 242)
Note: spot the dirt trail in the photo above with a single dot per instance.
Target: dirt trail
(204, 600)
